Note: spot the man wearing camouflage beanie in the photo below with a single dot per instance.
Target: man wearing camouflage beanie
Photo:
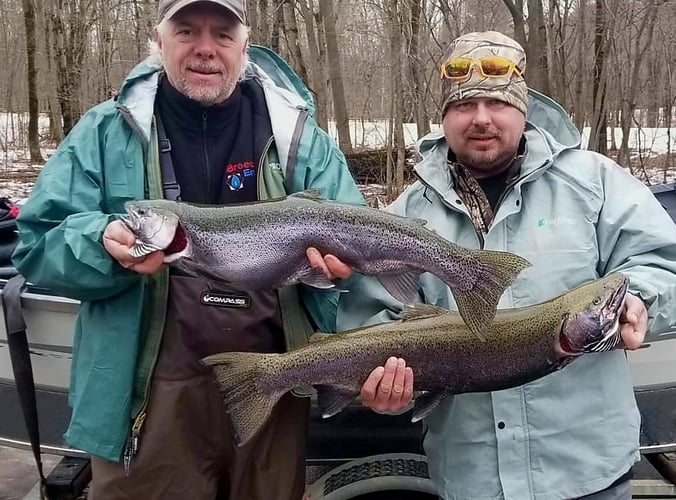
(491, 179)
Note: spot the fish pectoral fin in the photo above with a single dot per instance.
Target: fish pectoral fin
(315, 278)
(419, 311)
(332, 400)
(402, 286)
(424, 404)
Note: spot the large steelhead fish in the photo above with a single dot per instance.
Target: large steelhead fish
(262, 245)
(521, 345)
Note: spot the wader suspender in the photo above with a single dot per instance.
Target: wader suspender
(172, 191)
(22, 367)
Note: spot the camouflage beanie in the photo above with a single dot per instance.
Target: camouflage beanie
(511, 89)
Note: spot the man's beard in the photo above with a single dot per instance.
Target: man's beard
(486, 162)
(206, 94)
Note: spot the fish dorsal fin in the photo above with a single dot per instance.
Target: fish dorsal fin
(313, 194)
(419, 311)
(424, 404)
(332, 400)
(402, 286)
(319, 336)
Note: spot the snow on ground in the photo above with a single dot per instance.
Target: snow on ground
(17, 174)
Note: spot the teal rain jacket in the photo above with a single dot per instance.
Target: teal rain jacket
(576, 216)
(110, 157)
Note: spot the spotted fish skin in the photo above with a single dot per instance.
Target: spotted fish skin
(263, 245)
(521, 345)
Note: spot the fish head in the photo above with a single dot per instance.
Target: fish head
(592, 321)
(155, 226)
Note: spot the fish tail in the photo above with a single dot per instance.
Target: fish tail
(239, 377)
(494, 272)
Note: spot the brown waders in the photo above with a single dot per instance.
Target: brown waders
(186, 449)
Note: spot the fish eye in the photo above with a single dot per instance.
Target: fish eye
(597, 301)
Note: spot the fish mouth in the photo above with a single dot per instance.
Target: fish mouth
(606, 328)
(177, 247)
(610, 322)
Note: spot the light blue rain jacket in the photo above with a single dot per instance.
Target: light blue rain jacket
(576, 216)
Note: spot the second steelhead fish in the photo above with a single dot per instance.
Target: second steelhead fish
(262, 245)
(521, 345)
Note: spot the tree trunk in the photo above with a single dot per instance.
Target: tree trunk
(536, 51)
(516, 10)
(275, 26)
(629, 99)
(291, 31)
(33, 103)
(323, 69)
(252, 16)
(317, 83)
(416, 71)
(579, 101)
(598, 137)
(394, 21)
(336, 76)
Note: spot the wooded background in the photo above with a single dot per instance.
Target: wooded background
(608, 62)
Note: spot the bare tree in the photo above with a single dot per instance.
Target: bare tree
(415, 66)
(598, 136)
(535, 44)
(292, 38)
(643, 40)
(336, 75)
(395, 164)
(33, 104)
(317, 82)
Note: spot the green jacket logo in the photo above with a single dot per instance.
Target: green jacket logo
(558, 221)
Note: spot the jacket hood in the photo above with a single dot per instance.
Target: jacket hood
(137, 93)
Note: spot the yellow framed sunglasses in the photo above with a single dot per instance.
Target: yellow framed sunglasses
(460, 68)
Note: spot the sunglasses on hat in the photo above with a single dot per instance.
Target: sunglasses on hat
(460, 68)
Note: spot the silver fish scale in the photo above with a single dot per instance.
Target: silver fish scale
(230, 240)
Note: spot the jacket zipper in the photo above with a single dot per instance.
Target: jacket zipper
(132, 443)
(207, 169)
(289, 172)
(131, 447)
(263, 157)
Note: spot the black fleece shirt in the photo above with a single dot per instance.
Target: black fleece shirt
(212, 147)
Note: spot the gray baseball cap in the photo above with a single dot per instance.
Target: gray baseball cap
(511, 89)
(167, 8)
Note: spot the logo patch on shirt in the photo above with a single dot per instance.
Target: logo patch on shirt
(239, 167)
(235, 182)
(557, 221)
(237, 301)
